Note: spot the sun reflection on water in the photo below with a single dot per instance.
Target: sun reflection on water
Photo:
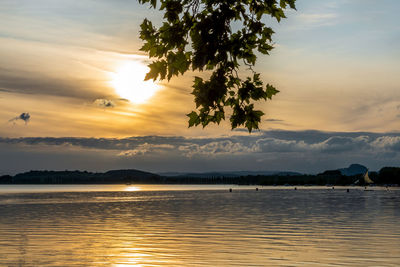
(174, 227)
(132, 188)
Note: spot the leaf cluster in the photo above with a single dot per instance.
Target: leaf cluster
(198, 35)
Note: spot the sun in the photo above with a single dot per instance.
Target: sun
(128, 82)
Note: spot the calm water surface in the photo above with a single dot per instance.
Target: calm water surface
(146, 225)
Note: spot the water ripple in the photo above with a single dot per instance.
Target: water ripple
(274, 227)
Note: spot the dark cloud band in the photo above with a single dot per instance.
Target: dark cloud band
(265, 142)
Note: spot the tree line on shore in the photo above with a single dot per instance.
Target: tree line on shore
(386, 176)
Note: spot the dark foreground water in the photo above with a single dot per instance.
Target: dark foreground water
(194, 226)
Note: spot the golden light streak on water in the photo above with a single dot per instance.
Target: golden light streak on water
(180, 226)
(131, 189)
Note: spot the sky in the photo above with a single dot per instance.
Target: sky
(65, 104)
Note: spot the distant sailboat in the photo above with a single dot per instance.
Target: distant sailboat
(367, 180)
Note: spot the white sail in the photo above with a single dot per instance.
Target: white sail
(367, 180)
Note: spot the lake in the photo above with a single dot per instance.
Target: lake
(198, 225)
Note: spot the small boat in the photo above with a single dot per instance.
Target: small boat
(367, 181)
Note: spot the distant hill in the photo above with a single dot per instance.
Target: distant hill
(353, 169)
(344, 176)
(129, 174)
(65, 177)
(228, 174)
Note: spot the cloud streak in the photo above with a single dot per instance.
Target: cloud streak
(23, 116)
(266, 142)
(36, 84)
(104, 103)
(303, 151)
(317, 18)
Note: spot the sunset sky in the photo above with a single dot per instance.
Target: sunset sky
(67, 64)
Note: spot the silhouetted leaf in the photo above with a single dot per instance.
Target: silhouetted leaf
(271, 91)
(193, 119)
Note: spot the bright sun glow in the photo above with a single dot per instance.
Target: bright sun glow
(128, 82)
(132, 188)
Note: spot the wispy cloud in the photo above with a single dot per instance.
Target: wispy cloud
(23, 116)
(277, 122)
(318, 19)
(305, 151)
(273, 120)
(266, 142)
(104, 103)
(215, 148)
(145, 149)
(29, 84)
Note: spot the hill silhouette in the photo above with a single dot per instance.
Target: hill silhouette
(65, 177)
(344, 176)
